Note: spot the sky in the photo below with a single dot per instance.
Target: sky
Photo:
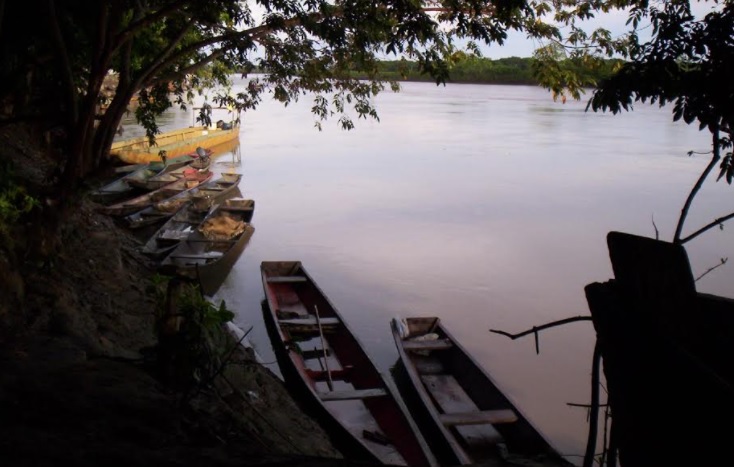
(518, 45)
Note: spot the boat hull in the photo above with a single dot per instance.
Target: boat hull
(457, 405)
(208, 261)
(179, 225)
(338, 383)
(175, 143)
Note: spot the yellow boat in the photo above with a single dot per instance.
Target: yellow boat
(175, 143)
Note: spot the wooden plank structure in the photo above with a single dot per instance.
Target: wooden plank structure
(328, 371)
(461, 410)
(664, 344)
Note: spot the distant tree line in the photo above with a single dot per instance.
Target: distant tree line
(470, 69)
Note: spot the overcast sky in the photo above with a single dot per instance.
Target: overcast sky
(518, 45)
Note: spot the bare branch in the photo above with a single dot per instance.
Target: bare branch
(537, 329)
(711, 225)
(657, 232)
(721, 263)
(699, 183)
(542, 327)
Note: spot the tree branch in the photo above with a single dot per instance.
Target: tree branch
(536, 329)
(711, 225)
(721, 263)
(68, 76)
(189, 69)
(141, 23)
(542, 326)
(163, 58)
(696, 188)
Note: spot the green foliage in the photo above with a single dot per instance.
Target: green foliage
(689, 62)
(14, 200)
(192, 344)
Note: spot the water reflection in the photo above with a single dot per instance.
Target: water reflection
(487, 206)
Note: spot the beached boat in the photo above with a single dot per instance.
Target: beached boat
(174, 143)
(182, 220)
(129, 184)
(327, 369)
(176, 172)
(457, 405)
(160, 212)
(210, 251)
(184, 183)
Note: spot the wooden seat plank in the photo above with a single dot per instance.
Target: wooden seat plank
(309, 321)
(352, 394)
(450, 397)
(285, 279)
(438, 344)
(479, 417)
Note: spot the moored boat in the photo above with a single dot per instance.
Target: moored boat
(326, 367)
(174, 172)
(210, 251)
(160, 212)
(171, 143)
(129, 184)
(179, 224)
(184, 183)
(457, 405)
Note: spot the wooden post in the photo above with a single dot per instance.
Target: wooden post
(323, 347)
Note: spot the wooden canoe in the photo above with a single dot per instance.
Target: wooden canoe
(209, 252)
(184, 183)
(185, 220)
(174, 171)
(327, 369)
(203, 197)
(175, 143)
(459, 408)
(129, 183)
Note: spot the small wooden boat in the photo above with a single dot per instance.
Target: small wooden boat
(129, 183)
(326, 367)
(204, 196)
(210, 251)
(181, 223)
(457, 405)
(187, 182)
(174, 143)
(170, 175)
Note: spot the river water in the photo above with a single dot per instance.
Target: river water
(487, 206)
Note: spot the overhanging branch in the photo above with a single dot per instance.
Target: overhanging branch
(141, 23)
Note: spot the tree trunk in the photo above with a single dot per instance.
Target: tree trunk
(109, 123)
(81, 135)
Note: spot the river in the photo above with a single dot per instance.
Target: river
(485, 205)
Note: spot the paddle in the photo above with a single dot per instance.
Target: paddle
(323, 346)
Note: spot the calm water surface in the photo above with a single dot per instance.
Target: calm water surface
(487, 206)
